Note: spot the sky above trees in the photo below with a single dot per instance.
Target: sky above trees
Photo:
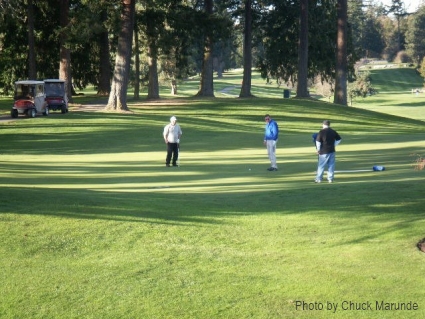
(411, 5)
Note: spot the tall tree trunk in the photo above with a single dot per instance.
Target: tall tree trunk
(398, 34)
(302, 85)
(207, 82)
(118, 96)
(105, 64)
(32, 67)
(65, 53)
(218, 65)
(247, 52)
(173, 87)
(153, 86)
(136, 62)
(341, 55)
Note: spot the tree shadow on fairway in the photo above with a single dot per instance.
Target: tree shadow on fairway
(112, 168)
(410, 104)
(373, 197)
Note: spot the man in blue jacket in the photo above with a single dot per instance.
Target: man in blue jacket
(270, 139)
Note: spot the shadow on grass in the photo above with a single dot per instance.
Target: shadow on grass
(115, 173)
(191, 195)
(202, 124)
(349, 198)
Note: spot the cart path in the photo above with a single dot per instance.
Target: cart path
(227, 89)
(76, 108)
(99, 106)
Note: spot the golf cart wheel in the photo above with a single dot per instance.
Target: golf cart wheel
(63, 109)
(32, 112)
(46, 111)
(14, 113)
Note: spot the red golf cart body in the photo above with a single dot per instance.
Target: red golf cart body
(56, 97)
(29, 99)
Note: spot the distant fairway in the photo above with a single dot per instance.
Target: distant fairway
(395, 95)
(396, 80)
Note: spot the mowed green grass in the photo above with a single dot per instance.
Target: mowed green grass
(93, 225)
(394, 80)
(396, 93)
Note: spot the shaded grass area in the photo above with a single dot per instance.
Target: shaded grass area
(94, 225)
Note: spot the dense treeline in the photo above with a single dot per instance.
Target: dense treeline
(170, 40)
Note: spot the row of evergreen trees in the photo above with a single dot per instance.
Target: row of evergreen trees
(80, 39)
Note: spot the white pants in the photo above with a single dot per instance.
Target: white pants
(271, 151)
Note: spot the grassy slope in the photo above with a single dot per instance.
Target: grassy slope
(395, 93)
(93, 225)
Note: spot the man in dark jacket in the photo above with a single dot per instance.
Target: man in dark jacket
(326, 141)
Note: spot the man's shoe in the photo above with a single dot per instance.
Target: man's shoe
(330, 180)
(168, 165)
(270, 169)
(317, 181)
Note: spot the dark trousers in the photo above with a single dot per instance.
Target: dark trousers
(172, 151)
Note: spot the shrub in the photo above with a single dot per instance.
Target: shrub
(402, 57)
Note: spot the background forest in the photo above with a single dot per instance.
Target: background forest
(79, 40)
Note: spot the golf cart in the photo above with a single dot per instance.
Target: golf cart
(55, 95)
(29, 99)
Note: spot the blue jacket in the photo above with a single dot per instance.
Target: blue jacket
(272, 131)
(314, 136)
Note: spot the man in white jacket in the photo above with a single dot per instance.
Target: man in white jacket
(172, 133)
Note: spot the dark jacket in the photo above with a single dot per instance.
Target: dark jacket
(327, 137)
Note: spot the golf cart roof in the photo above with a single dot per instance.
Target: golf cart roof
(29, 82)
(54, 80)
